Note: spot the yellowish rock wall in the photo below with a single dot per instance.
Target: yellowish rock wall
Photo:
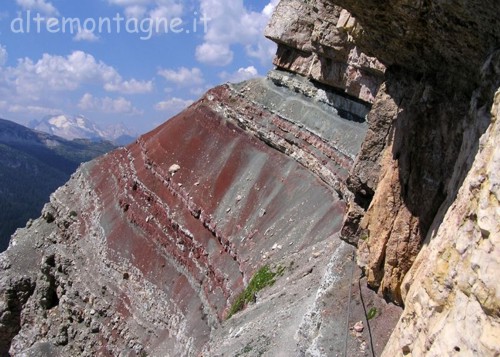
(453, 303)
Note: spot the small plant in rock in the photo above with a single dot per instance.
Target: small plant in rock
(371, 313)
(73, 214)
(262, 278)
(247, 349)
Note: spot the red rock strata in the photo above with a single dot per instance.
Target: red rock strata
(171, 248)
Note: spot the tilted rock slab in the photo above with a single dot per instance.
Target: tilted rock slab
(145, 249)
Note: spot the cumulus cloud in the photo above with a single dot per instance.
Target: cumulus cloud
(106, 105)
(132, 86)
(173, 105)
(231, 24)
(26, 109)
(166, 10)
(198, 91)
(38, 5)
(85, 35)
(135, 11)
(217, 54)
(183, 76)
(242, 74)
(3, 55)
(155, 10)
(59, 73)
(126, 3)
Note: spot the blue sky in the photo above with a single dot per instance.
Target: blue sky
(113, 77)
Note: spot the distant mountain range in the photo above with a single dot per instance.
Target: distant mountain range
(80, 127)
(32, 166)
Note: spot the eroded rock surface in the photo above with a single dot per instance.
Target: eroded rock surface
(315, 40)
(145, 249)
(366, 131)
(426, 120)
(430, 107)
(453, 301)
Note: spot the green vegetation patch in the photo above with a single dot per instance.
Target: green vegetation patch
(372, 313)
(262, 278)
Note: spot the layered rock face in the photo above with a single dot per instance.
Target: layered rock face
(315, 40)
(366, 131)
(428, 117)
(440, 68)
(429, 109)
(144, 250)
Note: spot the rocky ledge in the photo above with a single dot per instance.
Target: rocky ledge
(374, 141)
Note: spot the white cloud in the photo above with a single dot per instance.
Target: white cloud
(135, 11)
(33, 110)
(242, 74)
(198, 91)
(173, 105)
(127, 3)
(155, 10)
(264, 50)
(132, 86)
(106, 105)
(269, 8)
(57, 73)
(3, 55)
(166, 10)
(183, 76)
(216, 54)
(38, 5)
(85, 35)
(231, 24)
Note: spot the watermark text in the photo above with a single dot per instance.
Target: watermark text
(145, 28)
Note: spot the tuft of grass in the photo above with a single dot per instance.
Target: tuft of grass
(247, 349)
(371, 313)
(262, 278)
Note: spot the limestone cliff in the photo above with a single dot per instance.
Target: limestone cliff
(432, 110)
(453, 300)
(431, 82)
(366, 131)
(315, 40)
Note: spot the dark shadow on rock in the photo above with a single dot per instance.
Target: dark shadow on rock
(16, 296)
(435, 140)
